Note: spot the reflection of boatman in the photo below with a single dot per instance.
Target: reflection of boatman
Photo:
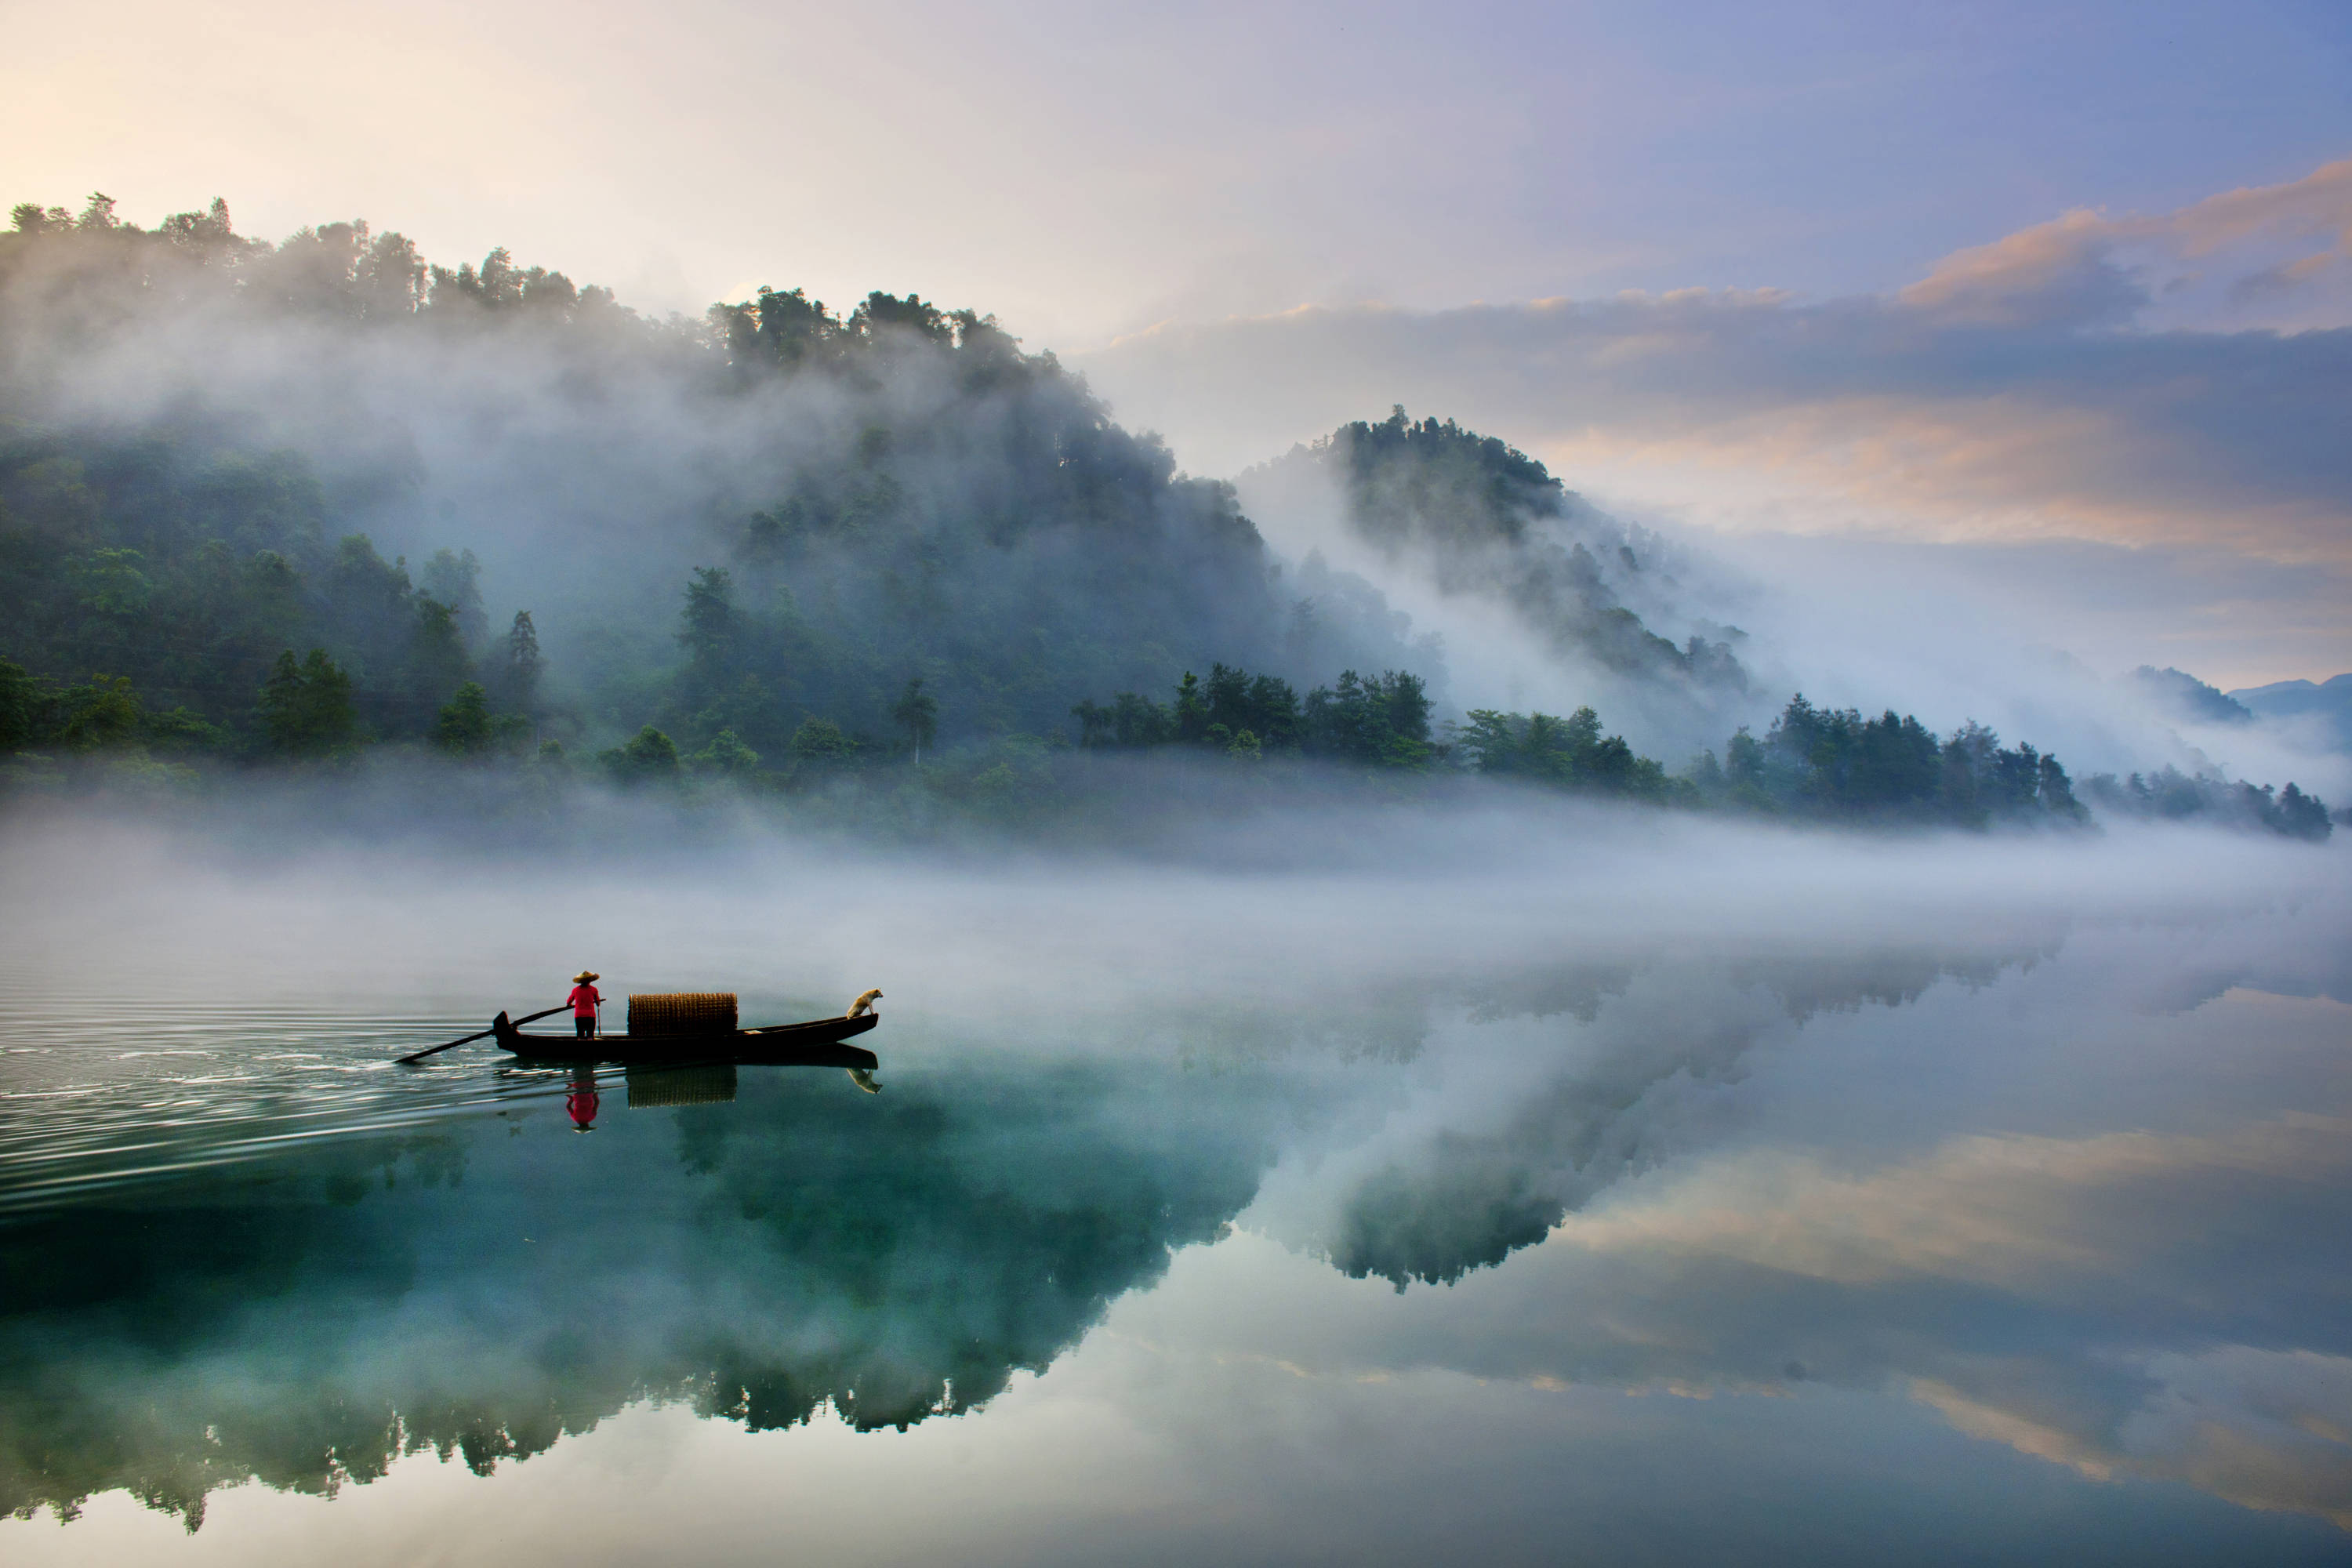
(585, 1003)
(581, 1101)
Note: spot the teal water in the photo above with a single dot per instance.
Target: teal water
(1200, 1217)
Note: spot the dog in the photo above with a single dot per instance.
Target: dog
(864, 1004)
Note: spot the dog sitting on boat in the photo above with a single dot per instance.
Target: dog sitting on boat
(864, 1004)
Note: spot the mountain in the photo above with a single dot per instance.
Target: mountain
(1482, 519)
(2329, 701)
(2188, 699)
(215, 450)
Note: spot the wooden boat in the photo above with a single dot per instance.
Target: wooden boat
(817, 1044)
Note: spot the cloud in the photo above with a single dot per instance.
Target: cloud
(2079, 268)
(2089, 378)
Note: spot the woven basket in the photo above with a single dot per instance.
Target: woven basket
(683, 1013)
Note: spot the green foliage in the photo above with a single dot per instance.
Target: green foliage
(2173, 795)
(1568, 753)
(103, 714)
(1383, 721)
(452, 578)
(1262, 706)
(519, 674)
(1488, 518)
(917, 713)
(111, 582)
(307, 709)
(1836, 766)
(20, 700)
(822, 742)
(464, 728)
(649, 757)
(729, 756)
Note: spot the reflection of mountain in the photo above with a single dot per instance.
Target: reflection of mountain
(485, 1291)
(489, 1287)
(1469, 1200)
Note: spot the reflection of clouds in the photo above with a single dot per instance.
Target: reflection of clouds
(2004, 1282)
(2007, 1211)
(2059, 1220)
(2162, 1300)
(1600, 1070)
(2266, 1429)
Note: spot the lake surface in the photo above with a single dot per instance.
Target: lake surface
(1599, 1194)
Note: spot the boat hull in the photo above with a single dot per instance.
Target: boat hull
(817, 1043)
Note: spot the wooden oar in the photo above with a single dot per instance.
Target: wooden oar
(480, 1034)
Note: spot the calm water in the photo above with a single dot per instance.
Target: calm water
(1859, 1206)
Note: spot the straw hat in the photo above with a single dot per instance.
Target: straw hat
(584, 976)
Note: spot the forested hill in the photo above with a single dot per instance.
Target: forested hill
(282, 505)
(218, 449)
(1482, 518)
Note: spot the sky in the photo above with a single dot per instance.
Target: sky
(1998, 277)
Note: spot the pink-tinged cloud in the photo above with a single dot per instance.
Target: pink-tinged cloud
(2018, 391)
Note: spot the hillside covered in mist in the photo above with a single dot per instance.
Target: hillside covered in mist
(278, 506)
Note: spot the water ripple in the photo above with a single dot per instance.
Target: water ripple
(99, 1093)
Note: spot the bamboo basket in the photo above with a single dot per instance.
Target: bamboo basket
(682, 1012)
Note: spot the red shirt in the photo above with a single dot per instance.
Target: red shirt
(584, 1000)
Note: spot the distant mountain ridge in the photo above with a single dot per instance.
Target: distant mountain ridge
(2330, 698)
(2189, 699)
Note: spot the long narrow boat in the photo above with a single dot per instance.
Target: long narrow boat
(817, 1043)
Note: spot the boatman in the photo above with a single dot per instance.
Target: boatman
(585, 1003)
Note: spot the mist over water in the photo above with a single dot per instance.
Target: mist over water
(1393, 1143)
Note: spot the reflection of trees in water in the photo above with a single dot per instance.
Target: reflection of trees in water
(891, 1258)
(975, 1230)
(309, 1322)
(1468, 1201)
(102, 1302)
(1888, 978)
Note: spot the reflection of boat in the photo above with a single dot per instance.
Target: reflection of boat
(817, 1043)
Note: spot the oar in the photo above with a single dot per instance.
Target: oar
(437, 1050)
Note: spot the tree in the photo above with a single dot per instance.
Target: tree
(436, 655)
(454, 579)
(106, 713)
(1190, 710)
(649, 756)
(112, 584)
(306, 707)
(523, 664)
(918, 714)
(464, 728)
(821, 742)
(19, 705)
(728, 755)
(2300, 816)
(707, 630)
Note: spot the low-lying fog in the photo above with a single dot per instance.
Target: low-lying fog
(1281, 913)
